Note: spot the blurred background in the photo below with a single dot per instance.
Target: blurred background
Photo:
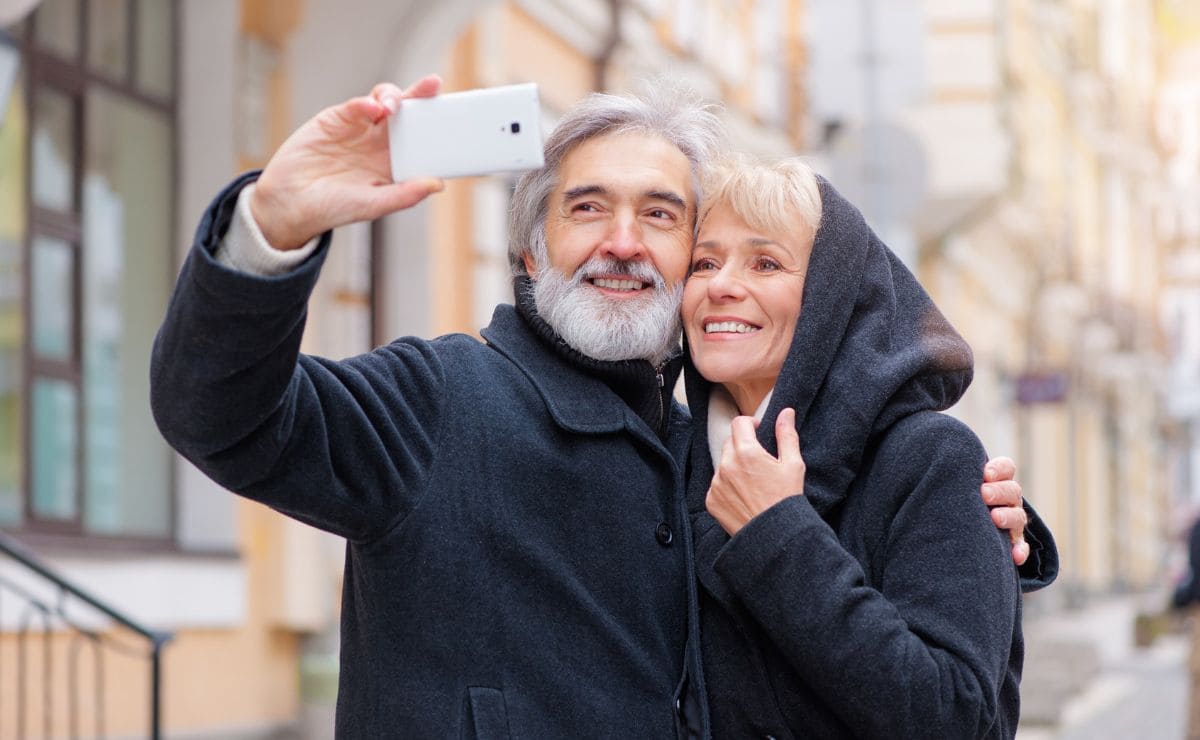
(1035, 162)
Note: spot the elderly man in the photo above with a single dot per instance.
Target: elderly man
(517, 560)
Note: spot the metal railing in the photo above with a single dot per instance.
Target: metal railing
(42, 612)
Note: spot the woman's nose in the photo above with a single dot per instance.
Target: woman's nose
(726, 284)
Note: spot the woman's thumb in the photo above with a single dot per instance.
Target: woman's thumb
(786, 435)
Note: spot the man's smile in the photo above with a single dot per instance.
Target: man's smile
(620, 284)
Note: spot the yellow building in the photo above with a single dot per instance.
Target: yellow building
(123, 121)
(1177, 124)
(1055, 280)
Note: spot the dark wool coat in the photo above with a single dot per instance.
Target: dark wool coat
(883, 602)
(516, 560)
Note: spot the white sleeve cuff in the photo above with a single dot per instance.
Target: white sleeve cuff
(244, 247)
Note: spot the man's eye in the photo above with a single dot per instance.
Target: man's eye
(585, 207)
(661, 213)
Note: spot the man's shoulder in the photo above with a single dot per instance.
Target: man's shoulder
(455, 353)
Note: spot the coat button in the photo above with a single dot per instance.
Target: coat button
(664, 534)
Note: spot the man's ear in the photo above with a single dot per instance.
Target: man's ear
(530, 265)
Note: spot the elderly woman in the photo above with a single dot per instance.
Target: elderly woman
(851, 582)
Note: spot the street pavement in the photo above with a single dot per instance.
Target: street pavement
(1113, 690)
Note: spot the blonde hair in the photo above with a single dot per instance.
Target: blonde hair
(772, 196)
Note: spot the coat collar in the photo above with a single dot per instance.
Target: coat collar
(577, 401)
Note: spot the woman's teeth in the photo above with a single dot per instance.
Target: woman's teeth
(736, 327)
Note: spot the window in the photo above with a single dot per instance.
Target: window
(87, 167)
(12, 247)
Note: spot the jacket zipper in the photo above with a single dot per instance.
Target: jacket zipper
(662, 395)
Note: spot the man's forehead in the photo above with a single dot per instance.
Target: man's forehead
(644, 163)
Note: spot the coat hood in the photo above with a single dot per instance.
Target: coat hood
(869, 348)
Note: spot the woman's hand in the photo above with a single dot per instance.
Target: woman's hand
(1002, 494)
(749, 479)
(336, 170)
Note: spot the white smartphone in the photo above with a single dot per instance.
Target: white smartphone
(477, 132)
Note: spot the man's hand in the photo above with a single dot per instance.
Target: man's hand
(1003, 495)
(749, 479)
(335, 170)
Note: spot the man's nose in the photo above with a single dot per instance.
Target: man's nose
(624, 239)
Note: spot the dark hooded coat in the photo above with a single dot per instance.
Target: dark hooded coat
(882, 602)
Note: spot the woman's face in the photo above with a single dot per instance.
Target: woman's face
(741, 302)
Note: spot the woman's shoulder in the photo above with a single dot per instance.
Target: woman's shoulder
(928, 446)
(924, 475)
(920, 479)
(930, 433)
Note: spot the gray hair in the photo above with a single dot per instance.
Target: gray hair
(668, 111)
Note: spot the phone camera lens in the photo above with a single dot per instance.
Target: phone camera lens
(514, 127)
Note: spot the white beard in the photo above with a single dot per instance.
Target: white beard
(603, 328)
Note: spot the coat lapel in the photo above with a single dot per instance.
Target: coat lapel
(577, 401)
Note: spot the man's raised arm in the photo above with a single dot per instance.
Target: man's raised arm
(229, 388)
(335, 170)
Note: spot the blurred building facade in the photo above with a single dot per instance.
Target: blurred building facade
(1082, 215)
(1036, 162)
(1031, 209)
(1069, 340)
(123, 119)
(1177, 123)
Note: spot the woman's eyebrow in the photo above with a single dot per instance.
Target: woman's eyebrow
(754, 241)
(759, 241)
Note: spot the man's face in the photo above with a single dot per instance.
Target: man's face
(618, 239)
(626, 197)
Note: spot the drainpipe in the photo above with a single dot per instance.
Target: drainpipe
(604, 58)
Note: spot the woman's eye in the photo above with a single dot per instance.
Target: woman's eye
(766, 264)
(702, 265)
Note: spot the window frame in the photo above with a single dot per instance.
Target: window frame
(43, 69)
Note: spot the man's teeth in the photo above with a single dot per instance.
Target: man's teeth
(731, 326)
(618, 284)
